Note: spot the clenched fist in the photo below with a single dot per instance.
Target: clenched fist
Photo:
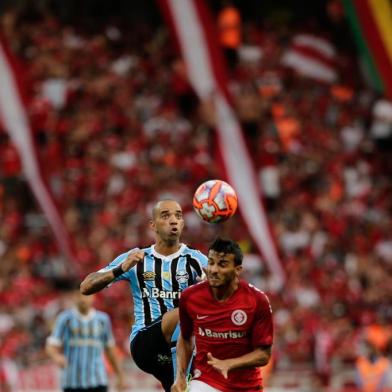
(132, 259)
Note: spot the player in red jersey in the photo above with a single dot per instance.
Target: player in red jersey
(231, 322)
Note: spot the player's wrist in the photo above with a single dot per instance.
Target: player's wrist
(117, 271)
(231, 364)
(181, 375)
(180, 381)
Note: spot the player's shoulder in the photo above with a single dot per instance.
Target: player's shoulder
(122, 256)
(194, 253)
(195, 289)
(99, 314)
(65, 315)
(146, 249)
(253, 291)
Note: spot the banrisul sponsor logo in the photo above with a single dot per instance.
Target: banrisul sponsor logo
(209, 333)
(154, 292)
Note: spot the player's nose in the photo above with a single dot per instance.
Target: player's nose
(173, 220)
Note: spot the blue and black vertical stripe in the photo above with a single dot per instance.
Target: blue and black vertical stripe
(83, 342)
(156, 283)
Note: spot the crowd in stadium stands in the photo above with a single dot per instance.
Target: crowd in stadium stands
(118, 127)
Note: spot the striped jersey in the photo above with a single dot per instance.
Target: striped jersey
(157, 282)
(83, 338)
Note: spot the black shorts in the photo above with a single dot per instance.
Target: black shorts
(152, 354)
(101, 388)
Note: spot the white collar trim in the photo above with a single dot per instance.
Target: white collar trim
(168, 257)
(84, 317)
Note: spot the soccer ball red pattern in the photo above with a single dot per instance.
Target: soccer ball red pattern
(215, 201)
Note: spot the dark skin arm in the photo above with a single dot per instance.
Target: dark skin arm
(96, 281)
(258, 357)
(57, 355)
(184, 354)
(114, 361)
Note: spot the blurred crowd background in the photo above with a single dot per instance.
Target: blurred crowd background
(117, 127)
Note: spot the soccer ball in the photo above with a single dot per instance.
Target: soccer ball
(215, 201)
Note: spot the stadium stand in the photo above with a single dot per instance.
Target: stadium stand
(117, 126)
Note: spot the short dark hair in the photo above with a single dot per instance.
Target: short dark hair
(155, 209)
(221, 245)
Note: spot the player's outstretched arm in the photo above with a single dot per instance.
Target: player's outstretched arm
(184, 354)
(96, 281)
(256, 358)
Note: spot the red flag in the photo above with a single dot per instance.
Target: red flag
(15, 121)
(194, 30)
(312, 56)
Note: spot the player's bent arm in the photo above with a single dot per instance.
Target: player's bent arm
(184, 354)
(258, 357)
(96, 281)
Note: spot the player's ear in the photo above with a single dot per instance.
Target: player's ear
(152, 224)
(238, 270)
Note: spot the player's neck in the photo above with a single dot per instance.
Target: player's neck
(165, 248)
(84, 311)
(223, 293)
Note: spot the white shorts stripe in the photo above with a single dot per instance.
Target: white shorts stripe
(200, 386)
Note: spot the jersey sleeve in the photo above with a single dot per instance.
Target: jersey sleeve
(262, 331)
(117, 261)
(202, 262)
(59, 330)
(186, 323)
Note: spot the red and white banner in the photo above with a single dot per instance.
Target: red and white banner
(313, 57)
(194, 29)
(14, 119)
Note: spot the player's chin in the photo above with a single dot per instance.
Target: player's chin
(174, 235)
(214, 282)
(172, 238)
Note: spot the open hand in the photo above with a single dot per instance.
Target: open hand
(221, 365)
(61, 361)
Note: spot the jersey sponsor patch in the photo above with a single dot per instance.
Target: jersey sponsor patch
(149, 275)
(239, 317)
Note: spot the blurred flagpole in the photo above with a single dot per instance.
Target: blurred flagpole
(15, 121)
(194, 31)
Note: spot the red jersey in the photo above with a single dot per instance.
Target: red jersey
(226, 329)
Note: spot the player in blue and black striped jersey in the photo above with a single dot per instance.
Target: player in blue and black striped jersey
(79, 338)
(157, 275)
